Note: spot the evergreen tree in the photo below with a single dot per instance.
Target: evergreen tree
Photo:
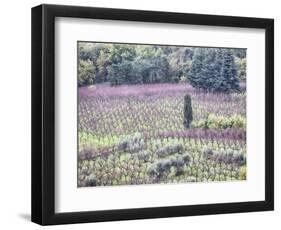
(195, 74)
(187, 111)
(229, 72)
(208, 77)
(214, 70)
(218, 85)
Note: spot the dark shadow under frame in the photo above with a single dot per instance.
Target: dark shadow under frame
(43, 114)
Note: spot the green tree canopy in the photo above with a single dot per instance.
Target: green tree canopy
(214, 69)
(211, 69)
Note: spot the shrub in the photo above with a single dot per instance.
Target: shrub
(162, 166)
(90, 181)
(159, 168)
(143, 155)
(169, 149)
(227, 156)
(87, 153)
(177, 161)
(131, 144)
(207, 153)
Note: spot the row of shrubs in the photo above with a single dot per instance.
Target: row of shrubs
(158, 168)
(213, 121)
(169, 149)
(208, 164)
(131, 143)
(227, 156)
(178, 161)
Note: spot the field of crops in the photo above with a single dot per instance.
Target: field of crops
(135, 135)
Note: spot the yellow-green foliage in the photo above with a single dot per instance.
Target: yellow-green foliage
(221, 122)
(241, 64)
(87, 139)
(242, 173)
(85, 73)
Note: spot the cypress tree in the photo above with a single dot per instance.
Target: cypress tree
(187, 111)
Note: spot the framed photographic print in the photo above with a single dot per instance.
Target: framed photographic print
(142, 114)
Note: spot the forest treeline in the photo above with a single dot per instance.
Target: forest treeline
(211, 69)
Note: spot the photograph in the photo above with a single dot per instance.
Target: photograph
(158, 114)
(141, 114)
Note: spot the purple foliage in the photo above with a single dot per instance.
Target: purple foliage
(107, 91)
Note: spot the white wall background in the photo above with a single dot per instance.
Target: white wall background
(15, 114)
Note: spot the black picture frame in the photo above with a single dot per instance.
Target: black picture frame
(43, 114)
